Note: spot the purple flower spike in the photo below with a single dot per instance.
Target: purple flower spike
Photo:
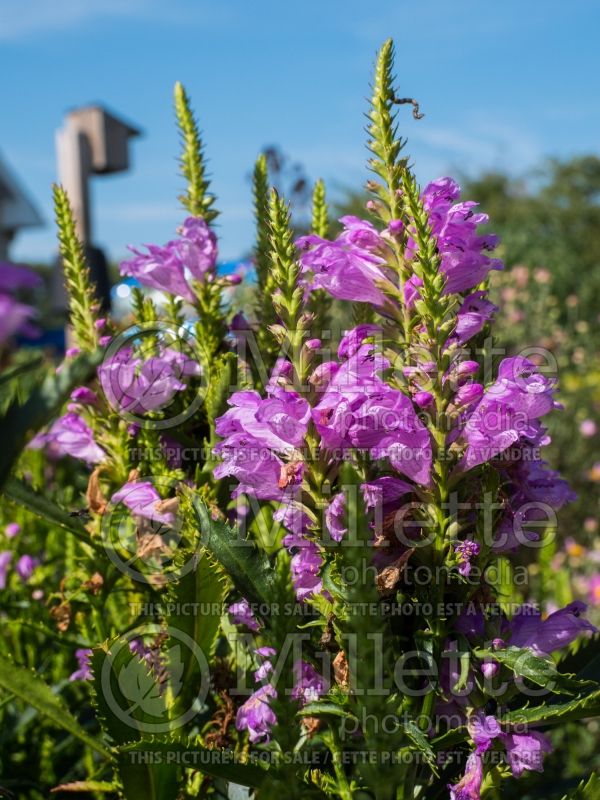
(469, 786)
(84, 672)
(12, 529)
(335, 517)
(256, 715)
(310, 685)
(240, 613)
(466, 551)
(5, 559)
(142, 500)
(526, 751)
(70, 435)
(167, 268)
(25, 567)
(558, 630)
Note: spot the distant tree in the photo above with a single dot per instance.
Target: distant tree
(550, 219)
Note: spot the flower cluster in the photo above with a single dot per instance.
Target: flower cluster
(174, 267)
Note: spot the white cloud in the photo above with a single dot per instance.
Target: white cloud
(139, 212)
(489, 143)
(21, 19)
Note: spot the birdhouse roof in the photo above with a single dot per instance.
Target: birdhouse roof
(16, 209)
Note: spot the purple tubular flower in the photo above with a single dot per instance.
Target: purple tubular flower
(466, 368)
(508, 412)
(5, 559)
(25, 567)
(256, 715)
(261, 436)
(160, 269)
(335, 516)
(14, 277)
(533, 490)
(305, 566)
(309, 684)
(469, 786)
(70, 435)
(240, 613)
(266, 668)
(466, 551)
(489, 668)
(483, 730)
(468, 394)
(83, 672)
(253, 465)
(359, 410)
(139, 386)
(350, 267)
(354, 338)
(197, 247)
(471, 317)
(167, 268)
(84, 396)
(14, 318)
(526, 751)
(423, 399)
(384, 491)
(142, 500)
(12, 529)
(464, 258)
(560, 629)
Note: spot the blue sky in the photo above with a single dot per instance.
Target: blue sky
(502, 85)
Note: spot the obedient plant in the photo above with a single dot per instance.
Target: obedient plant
(299, 564)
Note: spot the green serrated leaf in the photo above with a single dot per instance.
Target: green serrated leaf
(324, 708)
(537, 668)
(245, 564)
(31, 689)
(41, 506)
(587, 790)
(194, 607)
(420, 740)
(583, 659)
(555, 713)
(126, 693)
(130, 704)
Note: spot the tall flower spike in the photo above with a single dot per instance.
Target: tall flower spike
(427, 263)
(197, 200)
(260, 192)
(384, 143)
(265, 311)
(320, 301)
(320, 212)
(288, 296)
(78, 283)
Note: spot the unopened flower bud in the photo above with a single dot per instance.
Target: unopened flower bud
(489, 669)
(469, 393)
(423, 399)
